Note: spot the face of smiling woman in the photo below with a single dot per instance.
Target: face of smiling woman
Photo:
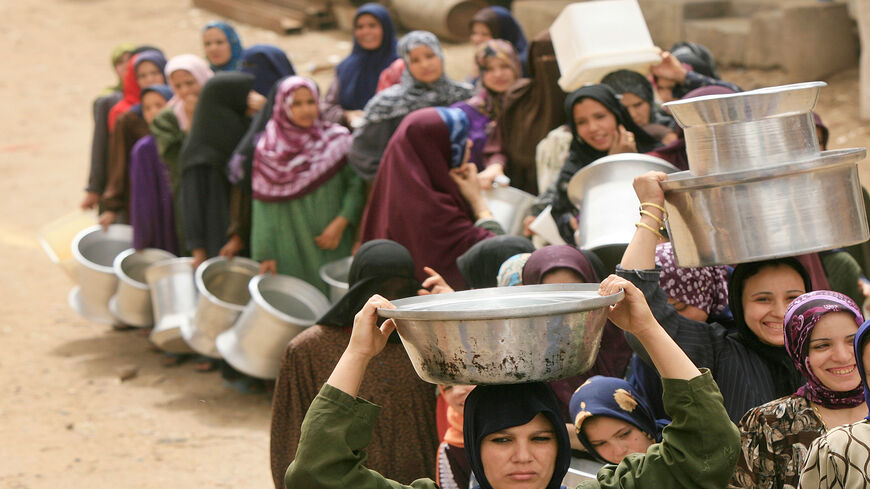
(766, 295)
(596, 125)
(831, 351)
(520, 457)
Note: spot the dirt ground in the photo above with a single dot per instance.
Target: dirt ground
(68, 420)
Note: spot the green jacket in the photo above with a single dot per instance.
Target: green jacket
(699, 448)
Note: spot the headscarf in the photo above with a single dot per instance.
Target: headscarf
(292, 161)
(201, 73)
(268, 64)
(486, 102)
(510, 273)
(380, 267)
(861, 341)
(503, 25)
(358, 73)
(119, 51)
(232, 39)
(549, 258)
(411, 94)
(614, 398)
(801, 318)
(491, 408)
(163, 90)
(457, 128)
(628, 81)
(453, 435)
(132, 91)
(786, 379)
(703, 287)
(697, 56)
(437, 225)
(480, 264)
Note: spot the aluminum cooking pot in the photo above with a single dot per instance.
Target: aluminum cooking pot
(131, 304)
(335, 274)
(94, 251)
(503, 335)
(223, 294)
(280, 308)
(173, 297)
(765, 213)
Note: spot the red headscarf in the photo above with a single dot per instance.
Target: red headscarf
(131, 93)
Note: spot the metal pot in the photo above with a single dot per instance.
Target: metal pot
(280, 308)
(131, 304)
(766, 213)
(94, 251)
(335, 274)
(173, 297)
(754, 129)
(509, 207)
(604, 193)
(223, 289)
(503, 335)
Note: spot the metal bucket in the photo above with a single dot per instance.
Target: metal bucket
(766, 213)
(280, 308)
(131, 304)
(509, 207)
(94, 251)
(223, 289)
(335, 274)
(173, 297)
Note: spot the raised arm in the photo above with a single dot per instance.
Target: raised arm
(641, 251)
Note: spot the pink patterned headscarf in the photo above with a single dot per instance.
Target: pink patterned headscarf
(801, 318)
(194, 65)
(703, 287)
(291, 161)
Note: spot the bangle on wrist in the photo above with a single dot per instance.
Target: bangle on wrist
(650, 229)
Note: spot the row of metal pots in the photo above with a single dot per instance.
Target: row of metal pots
(223, 309)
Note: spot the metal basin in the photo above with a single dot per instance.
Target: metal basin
(604, 193)
(223, 289)
(503, 335)
(173, 297)
(754, 129)
(768, 213)
(280, 308)
(94, 251)
(335, 274)
(131, 304)
(508, 206)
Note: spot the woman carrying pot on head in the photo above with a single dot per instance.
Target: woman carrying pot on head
(514, 435)
(750, 365)
(820, 330)
(600, 126)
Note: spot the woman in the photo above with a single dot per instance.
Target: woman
(223, 48)
(688, 66)
(403, 442)
(612, 420)
(307, 201)
(637, 95)
(145, 69)
(498, 23)
(513, 434)
(600, 126)
(356, 77)
(447, 214)
(267, 64)
(499, 68)
(510, 273)
(820, 332)
(750, 364)
(839, 458)
(480, 264)
(453, 469)
(423, 84)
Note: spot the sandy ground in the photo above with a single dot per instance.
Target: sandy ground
(68, 420)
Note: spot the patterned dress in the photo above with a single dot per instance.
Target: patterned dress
(775, 439)
(839, 459)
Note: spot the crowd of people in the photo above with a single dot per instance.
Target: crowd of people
(748, 376)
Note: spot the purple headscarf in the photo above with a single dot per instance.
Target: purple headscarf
(801, 317)
(703, 287)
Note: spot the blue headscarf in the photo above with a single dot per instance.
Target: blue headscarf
(614, 398)
(503, 25)
(860, 342)
(163, 90)
(235, 45)
(153, 56)
(268, 64)
(457, 127)
(358, 73)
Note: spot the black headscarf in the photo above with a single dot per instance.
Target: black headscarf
(628, 81)
(697, 56)
(786, 378)
(479, 265)
(380, 267)
(491, 408)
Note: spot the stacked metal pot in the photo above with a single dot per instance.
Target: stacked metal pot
(758, 186)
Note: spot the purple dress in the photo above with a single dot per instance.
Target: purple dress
(152, 213)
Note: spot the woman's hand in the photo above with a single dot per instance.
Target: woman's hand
(669, 68)
(354, 118)
(106, 219)
(487, 176)
(632, 313)
(434, 283)
(465, 178)
(330, 238)
(233, 247)
(90, 201)
(269, 266)
(199, 256)
(649, 189)
(624, 142)
(367, 339)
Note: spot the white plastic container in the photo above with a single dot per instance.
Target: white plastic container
(591, 39)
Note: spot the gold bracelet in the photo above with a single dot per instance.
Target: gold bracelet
(661, 222)
(661, 208)
(650, 228)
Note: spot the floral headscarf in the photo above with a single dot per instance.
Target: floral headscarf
(486, 102)
(703, 287)
(801, 317)
(511, 271)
